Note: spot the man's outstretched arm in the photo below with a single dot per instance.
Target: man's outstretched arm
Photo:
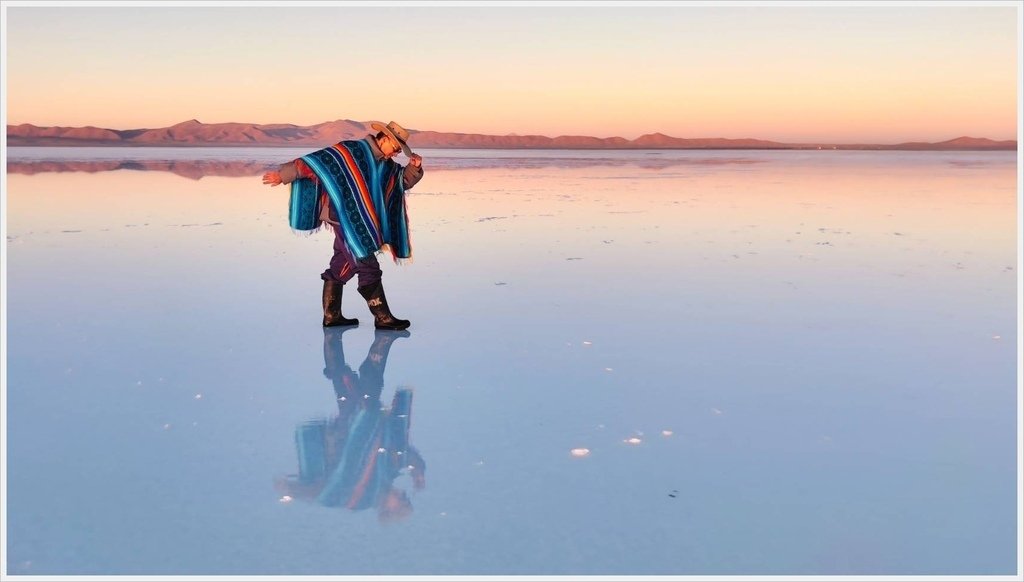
(288, 173)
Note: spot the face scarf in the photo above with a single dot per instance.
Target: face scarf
(368, 197)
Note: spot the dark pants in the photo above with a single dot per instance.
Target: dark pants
(344, 266)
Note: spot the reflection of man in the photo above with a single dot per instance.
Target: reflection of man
(353, 459)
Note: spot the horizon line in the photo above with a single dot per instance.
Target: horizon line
(499, 135)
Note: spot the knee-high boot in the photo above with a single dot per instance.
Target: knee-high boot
(332, 306)
(378, 303)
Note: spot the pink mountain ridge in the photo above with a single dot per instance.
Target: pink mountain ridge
(195, 133)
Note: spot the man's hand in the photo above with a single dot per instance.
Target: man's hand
(416, 160)
(273, 178)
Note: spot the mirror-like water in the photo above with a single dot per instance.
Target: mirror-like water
(619, 363)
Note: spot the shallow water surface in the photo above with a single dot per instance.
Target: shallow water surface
(673, 363)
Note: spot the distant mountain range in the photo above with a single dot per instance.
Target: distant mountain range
(195, 133)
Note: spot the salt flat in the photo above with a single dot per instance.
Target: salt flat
(776, 363)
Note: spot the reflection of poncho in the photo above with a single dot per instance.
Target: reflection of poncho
(376, 450)
(368, 197)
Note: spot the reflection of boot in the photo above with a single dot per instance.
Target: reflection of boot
(332, 306)
(371, 372)
(334, 352)
(340, 373)
(378, 303)
(382, 340)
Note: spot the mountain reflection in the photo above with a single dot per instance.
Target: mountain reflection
(353, 458)
(196, 169)
(192, 169)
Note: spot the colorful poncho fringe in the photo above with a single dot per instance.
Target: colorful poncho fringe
(368, 197)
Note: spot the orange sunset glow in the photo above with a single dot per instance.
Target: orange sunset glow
(839, 74)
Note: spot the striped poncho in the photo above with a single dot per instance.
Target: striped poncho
(367, 195)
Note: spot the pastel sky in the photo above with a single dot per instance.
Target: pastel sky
(833, 73)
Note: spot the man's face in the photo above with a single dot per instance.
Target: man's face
(390, 148)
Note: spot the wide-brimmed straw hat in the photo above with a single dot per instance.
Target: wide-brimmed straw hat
(396, 132)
